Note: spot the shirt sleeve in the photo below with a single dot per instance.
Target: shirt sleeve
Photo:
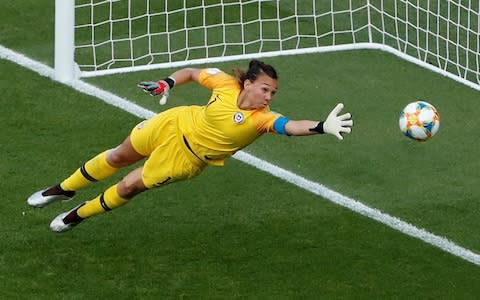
(213, 78)
(270, 122)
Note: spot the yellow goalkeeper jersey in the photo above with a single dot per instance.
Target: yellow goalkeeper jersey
(218, 129)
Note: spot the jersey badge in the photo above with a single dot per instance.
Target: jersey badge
(238, 118)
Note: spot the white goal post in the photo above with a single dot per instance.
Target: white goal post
(99, 37)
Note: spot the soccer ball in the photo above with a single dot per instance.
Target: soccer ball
(419, 120)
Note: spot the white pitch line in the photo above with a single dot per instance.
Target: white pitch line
(358, 207)
(313, 187)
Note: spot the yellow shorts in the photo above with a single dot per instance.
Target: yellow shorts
(168, 159)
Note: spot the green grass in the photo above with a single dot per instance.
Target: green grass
(212, 237)
(382, 167)
(236, 232)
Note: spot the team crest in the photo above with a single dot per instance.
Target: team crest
(238, 118)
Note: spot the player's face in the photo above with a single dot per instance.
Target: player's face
(261, 91)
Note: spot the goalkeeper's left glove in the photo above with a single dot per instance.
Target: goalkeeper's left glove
(159, 88)
(334, 124)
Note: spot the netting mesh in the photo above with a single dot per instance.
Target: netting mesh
(128, 34)
(442, 33)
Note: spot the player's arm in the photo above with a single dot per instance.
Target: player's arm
(185, 75)
(300, 127)
(162, 87)
(335, 124)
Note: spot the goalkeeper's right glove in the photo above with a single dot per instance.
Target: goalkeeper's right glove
(334, 124)
(159, 88)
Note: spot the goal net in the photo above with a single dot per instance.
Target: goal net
(112, 36)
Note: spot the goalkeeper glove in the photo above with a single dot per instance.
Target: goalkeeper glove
(159, 88)
(334, 124)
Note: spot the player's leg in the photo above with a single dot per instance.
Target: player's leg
(168, 163)
(99, 167)
(102, 166)
(113, 197)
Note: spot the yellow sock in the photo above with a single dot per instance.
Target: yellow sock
(104, 202)
(93, 170)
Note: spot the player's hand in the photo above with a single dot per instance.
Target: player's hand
(338, 125)
(158, 88)
(154, 88)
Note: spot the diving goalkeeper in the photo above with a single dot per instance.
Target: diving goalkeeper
(179, 143)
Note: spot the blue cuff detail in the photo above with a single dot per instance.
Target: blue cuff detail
(279, 125)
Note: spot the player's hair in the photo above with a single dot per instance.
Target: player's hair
(255, 68)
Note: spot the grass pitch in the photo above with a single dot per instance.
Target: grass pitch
(235, 232)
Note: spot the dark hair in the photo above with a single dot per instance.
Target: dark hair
(255, 68)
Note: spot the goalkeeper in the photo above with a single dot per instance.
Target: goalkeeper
(179, 143)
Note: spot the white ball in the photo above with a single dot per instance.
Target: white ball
(419, 121)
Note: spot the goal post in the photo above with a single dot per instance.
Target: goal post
(64, 62)
(114, 36)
